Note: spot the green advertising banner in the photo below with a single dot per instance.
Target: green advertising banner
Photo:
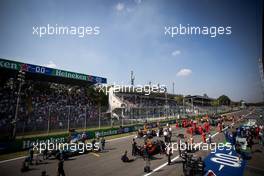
(13, 65)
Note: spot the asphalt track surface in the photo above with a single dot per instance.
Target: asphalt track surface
(109, 162)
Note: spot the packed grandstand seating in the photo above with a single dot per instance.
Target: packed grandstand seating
(53, 103)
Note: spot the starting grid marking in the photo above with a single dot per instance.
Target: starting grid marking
(13, 159)
(175, 158)
(95, 154)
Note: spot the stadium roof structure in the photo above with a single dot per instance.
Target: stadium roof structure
(198, 97)
(41, 73)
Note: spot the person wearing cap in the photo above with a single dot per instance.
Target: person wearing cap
(204, 137)
(60, 171)
(134, 145)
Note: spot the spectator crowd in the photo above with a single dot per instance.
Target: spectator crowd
(45, 104)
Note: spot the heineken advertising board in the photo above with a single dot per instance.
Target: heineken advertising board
(13, 65)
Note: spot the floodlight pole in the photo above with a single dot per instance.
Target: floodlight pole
(21, 77)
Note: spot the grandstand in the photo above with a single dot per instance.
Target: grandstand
(199, 100)
(37, 98)
(133, 105)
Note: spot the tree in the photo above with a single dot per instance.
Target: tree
(179, 99)
(224, 100)
(99, 97)
(215, 103)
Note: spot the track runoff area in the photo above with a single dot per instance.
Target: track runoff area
(109, 161)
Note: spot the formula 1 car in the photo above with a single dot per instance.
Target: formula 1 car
(153, 148)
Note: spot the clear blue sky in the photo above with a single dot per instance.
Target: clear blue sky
(132, 38)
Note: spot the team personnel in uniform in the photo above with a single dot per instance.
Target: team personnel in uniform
(204, 137)
(60, 171)
(134, 147)
(169, 154)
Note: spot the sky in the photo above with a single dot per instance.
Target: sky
(132, 37)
